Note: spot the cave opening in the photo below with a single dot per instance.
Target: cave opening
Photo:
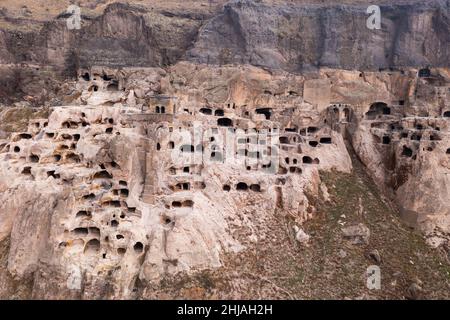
(216, 156)
(325, 140)
(307, 160)
(52, 173)
(176, 204)
(25, 136)
(241, 186)
(267, 112)
(376, 109)
(225, 122)
(424, 73)
(312, 129)
(114, 86)
(80, 231)
(407, 152)
(92, 246)
(34, 158)
(83, 214)
(219, 113)
(282, 170)
(206, 111)
(138, 247)
(187, 204)
(187, 148)
(103, 175)
(284, 140)
(73, 158)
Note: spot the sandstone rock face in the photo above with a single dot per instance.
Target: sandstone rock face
(152, 172)
(136, 185)
(408, 154)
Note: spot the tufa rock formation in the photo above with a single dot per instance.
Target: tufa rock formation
(257, 149)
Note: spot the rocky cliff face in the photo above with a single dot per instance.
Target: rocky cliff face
(289, 36)
(190, 150)
(297, 37)
(150, 174)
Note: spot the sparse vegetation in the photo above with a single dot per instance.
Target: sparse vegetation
(331, 267)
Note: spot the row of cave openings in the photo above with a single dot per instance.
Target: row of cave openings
(113, 84)
(377, 109)
(408, 152)
(93, 245)
(71, 124)
(267, 112)
(380, 108)
(186, 186)
(187, 148)
(242, 186)
(180, 204)
(415, 136)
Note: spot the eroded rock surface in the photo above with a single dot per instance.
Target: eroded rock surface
(165, 152)
(152, 172)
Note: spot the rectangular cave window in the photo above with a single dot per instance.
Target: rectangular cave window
(284, 140)
(225, 122)
(219, 113)
(312, 129)
(325, 140)
(187, 148)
